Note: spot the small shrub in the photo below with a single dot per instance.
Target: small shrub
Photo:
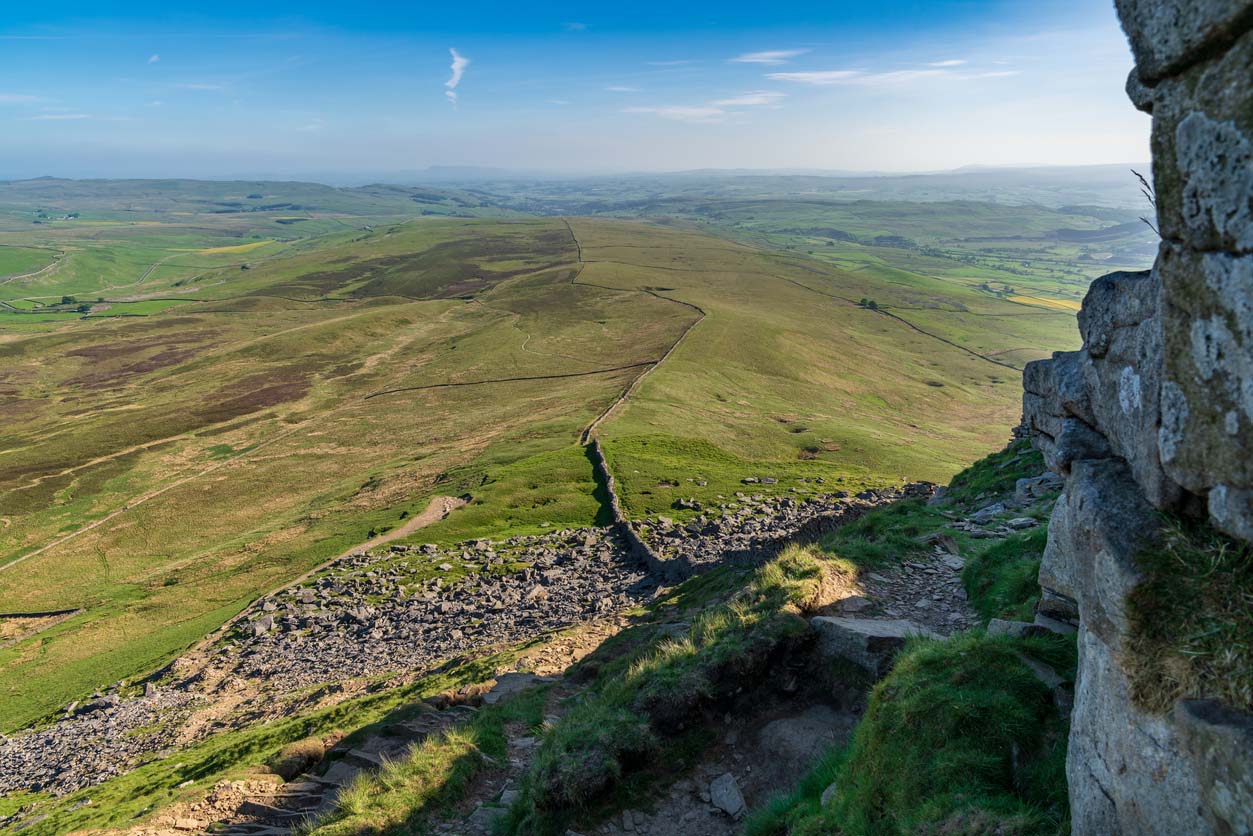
(586, 753)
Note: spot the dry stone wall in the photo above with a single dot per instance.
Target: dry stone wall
(1155, 413)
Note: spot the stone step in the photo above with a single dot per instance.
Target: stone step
(340, 774)
(249, 829)
(367, 759)
(260, 810)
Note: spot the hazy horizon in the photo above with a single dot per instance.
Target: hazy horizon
(309, 91)
(469, 173)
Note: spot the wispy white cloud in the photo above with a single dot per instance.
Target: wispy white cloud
(458, 68)
(700, 114)
(575, 26)
(769, 56)
(990, 74)
(622, 88)
(822, 78)
(952, 62)
(312, 126)
(200, 85)
(901, 76)
(154, 58)
(713, 111)
(678, 63)
(559, 101)
(56, 117)
(818, 77)
(756, 98)
(18, 98)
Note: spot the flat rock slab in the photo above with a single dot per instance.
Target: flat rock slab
(510, 684)
(340, 774)
(869, 643)
(804, 737)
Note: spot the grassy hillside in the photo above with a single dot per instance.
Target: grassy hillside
(203, 433)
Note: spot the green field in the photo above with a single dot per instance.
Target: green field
(248, 397)
(20, 261)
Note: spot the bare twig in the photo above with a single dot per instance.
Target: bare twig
(1146, 189)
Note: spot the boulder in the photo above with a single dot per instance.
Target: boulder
(869, 643)
(724, 793)
(1029, 490)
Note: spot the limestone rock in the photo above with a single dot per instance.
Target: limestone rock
(1156, 412)
(1126, 770)
(1220, 743)
(724, 793)
(869, 643)
(1030, 489)
(1167, 35)
(1001, 627)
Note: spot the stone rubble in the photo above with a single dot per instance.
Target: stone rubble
(403, 609)
(752, 527)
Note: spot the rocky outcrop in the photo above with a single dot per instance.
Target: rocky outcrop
(1155, 413)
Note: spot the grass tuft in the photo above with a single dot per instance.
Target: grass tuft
(1003, 580)
(995, 475)
(1192, 620)
(435, 774)
(885, 535)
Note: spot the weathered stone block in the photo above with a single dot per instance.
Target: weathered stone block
(870, 643)
(1220, 744)
(1206, 434)
(1168, 35)
(1100, 524)
(1128, 775)
(1202, 153)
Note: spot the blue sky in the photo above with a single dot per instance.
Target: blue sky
(356, 89)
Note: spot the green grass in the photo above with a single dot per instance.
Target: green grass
(404, 794)
(275, 395)
(960, 738)
(248, 411)
(237, 434)
(1192, 620)
(16, 261)
(1002, 581)
(653, 471)
(994, 476)
(886, 535)
(534, 495)
(145, 308)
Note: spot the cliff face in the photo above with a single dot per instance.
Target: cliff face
(1155, 413)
